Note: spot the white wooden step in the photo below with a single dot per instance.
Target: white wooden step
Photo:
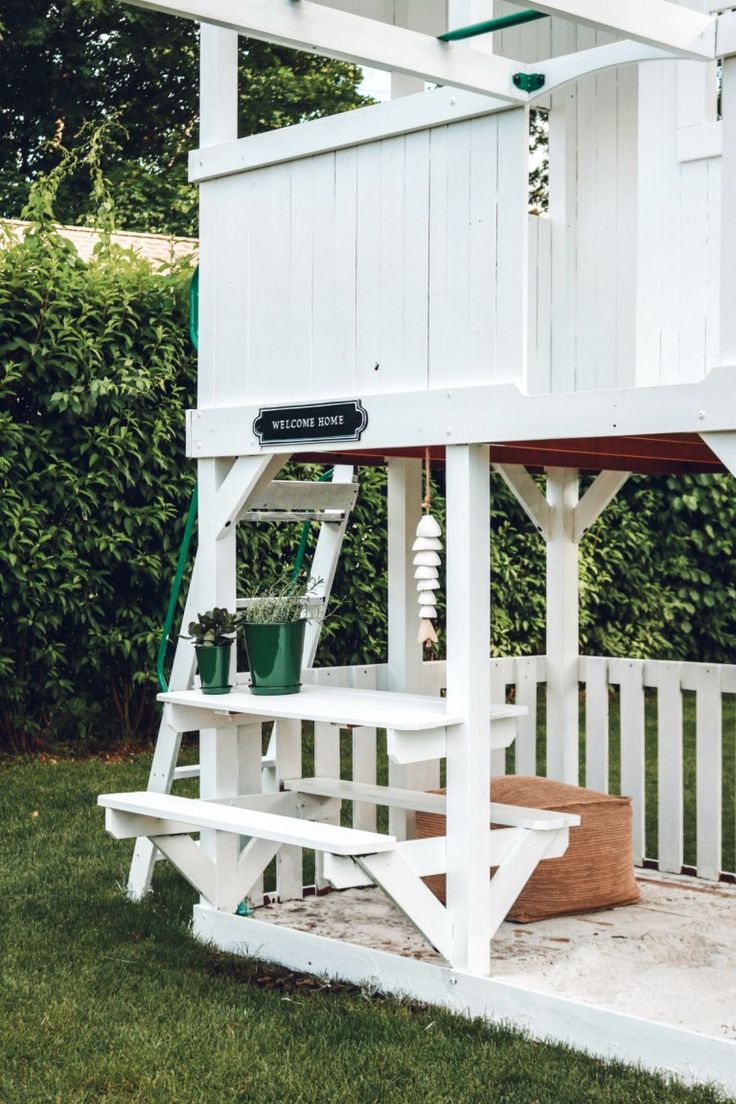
(194, 814)
(337, 705)
(287, 494)
(512, 816)
(189, 771)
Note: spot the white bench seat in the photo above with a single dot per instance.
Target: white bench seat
(162, 812)
(511, 816)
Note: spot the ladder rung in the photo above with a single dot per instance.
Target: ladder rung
(284, 494)
(333, 517)
(186, 772)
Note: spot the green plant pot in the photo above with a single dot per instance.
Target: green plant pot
(275, 656)
(213, 664)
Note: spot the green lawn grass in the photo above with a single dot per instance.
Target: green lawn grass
(103, 1001)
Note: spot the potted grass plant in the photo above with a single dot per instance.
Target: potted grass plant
(213, 634)
(274, 621)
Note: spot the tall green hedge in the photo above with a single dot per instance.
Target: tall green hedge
(96, 371)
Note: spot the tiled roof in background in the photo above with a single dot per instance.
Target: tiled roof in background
(153, 247)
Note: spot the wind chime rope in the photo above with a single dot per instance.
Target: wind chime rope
(427, 547)
(427, 501)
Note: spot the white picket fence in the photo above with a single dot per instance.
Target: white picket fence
(660, 774)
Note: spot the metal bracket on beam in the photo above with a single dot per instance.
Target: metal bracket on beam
(528, 82)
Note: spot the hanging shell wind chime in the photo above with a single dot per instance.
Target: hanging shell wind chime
(426, 548)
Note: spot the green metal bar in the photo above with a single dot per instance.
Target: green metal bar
(303, 540)
(491, 25)
(186, 540)
(181, 564)
(194, 309)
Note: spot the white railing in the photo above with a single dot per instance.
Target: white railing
(682, 770)
(666, 752)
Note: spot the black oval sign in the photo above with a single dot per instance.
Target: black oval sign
(330, 421)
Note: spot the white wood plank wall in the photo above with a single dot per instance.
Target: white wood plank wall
(633, 295)
(582, 286)
(390, 266)
(678, 228)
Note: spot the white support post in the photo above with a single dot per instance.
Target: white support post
(562, 627)
(166, 751)
(562, 520)
(727, 353)
(250, 738)
(218, 123)
(218, 75)
(404, 653)
(468, 694)
(408, 14)
(218, 748)
(288, 741)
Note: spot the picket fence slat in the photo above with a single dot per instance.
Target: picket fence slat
(525, 752)
(709, 771)
(501, 672)
(669, 768)
(633, 750)
(596, 723)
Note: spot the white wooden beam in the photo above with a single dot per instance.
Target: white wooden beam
(191, 861)
(700, 142)
(525, 853)
(562, 70)
(726, 34)
(321, 30)
(346, 130)
(656, 22)
(724, 446)
(527, 494)
(399, 882)
(602, 1032)
(602, 490)
(248, 476)
(497, 413)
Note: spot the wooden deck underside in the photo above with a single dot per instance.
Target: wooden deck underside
(660, 454)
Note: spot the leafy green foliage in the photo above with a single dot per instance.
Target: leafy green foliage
(214, 628)
(96, 375)
(70, 62)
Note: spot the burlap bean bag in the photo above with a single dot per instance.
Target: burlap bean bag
(596, 871)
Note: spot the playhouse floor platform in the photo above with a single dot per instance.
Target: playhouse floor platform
(671, 958)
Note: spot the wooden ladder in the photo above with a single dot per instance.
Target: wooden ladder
(283, 501)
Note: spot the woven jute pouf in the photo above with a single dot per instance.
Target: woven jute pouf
(596, 871)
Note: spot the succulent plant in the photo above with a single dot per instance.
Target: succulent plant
(214, 628)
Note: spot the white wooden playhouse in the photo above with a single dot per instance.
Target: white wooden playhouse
(380, 270)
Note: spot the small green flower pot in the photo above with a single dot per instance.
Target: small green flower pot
(275, 656)
(213, 664)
